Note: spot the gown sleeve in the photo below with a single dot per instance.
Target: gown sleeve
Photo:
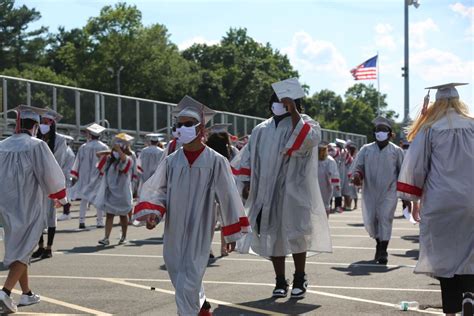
(153, 196)
(49, 173)
(241, 164)
(415, 168)
(359, 164)
(305, 136)
(235, 222)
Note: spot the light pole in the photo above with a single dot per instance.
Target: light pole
(117, 73)
(406, 117)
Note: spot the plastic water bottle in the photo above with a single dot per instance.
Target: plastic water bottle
(406, 305)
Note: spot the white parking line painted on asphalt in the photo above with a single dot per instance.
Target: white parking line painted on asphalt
(45, 314)
(367, 236)
(219, 302)
(351, 227)
(372, 248)
(69, 305)
(245, 259)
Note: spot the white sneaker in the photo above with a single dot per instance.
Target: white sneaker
(7, 305)
(122, 240)
(29, 299)
(104, 242)
(64, 217)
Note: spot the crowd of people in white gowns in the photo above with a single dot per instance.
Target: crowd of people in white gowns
(273, 196)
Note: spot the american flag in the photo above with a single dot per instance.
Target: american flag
(367, 70)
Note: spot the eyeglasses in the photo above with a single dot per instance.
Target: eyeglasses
(186, 124)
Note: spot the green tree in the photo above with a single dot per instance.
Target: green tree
(236, 74)
(326, 107)
(17, 45)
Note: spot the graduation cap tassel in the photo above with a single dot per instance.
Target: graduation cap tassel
(426, 101)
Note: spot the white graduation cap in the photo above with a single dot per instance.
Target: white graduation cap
(220, 128)
(123, 138)
(380, 120)
(68, 138)
(52, 115)
(323, 144)
(447, 91)
(95, 129)
(155, 137)
(29, 112)
(340, 141)
(195, 109)
(289, 88)
(332, 145)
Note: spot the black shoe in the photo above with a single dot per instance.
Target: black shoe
(38, 253)
(467, 304)
(82, 226)
(300, 284)
(383, 257)
(377, 250)
(281, 287)
(47, 254)
(98, 226)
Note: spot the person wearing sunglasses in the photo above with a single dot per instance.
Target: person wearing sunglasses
(185, 187)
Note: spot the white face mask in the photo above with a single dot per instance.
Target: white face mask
(186, 134)
(116, 155)
(44, 128)
(175, 134)
(381, 136)
(278, 109)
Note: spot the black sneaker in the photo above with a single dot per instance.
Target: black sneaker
(467, 304)
(82, 226)
(281, 287)
(300, 284)
(47, 254)
(38, 253)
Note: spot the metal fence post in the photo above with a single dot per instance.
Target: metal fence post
(155, 126)
(97, 108)
(245, 126)
(78, 111)
(55, 99)
(137, 113)
(28, 93)
(168, 120)
(5, 101)
(102, 108)
(119, 114)
(235, 125)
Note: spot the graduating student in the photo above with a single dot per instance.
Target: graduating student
(86, 175)
(349, 191)
(334, 153)
(70, 158)
(284, 205)
(114, 194)
(149, 158)
(58, 146)
(185, 187)
(29, 173)
(328, 175)
(377, 166)
(438, 171)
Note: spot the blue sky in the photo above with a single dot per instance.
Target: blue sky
(323, 39)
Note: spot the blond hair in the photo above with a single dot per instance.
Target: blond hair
(435, 112)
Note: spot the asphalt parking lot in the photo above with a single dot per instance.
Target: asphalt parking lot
(83, 278)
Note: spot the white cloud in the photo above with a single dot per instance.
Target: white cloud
(435, 65)
(418, 32)
(466, 12)
(196, 40)
(384, 37)
(319, 62)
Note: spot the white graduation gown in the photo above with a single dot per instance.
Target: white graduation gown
(84, 169)
(328, 176)
(281, 164)
(114, 194)
(187, 195)
(147, 163)
(379, 170)
(29, 174)
(438, 170)
(62, 157)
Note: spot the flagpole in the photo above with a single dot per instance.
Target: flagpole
(378, 84)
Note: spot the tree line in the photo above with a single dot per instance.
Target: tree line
(233, 75)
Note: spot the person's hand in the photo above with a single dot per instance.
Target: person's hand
(356, 179)
(415, 211)
(338, 188)
(246, 190)
(57, 204)
(73, 181)
(230, 246)
(151, 221)
(290, 105)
